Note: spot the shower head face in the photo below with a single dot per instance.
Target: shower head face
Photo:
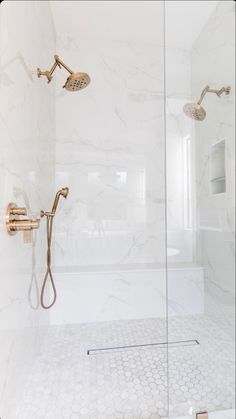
(64, 192)
(77, 81)
(194, 111)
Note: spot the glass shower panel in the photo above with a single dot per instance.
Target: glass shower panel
(111, 267)
(200, 207)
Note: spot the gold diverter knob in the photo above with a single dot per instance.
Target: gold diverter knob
(15, 224)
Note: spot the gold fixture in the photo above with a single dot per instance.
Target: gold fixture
(50, 215)
(15, 224)
(195, 110)
(202, 415)
(76, 81)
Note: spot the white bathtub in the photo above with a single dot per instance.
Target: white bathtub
(116, 294)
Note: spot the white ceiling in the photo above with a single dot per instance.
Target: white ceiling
(132, 20)
(117, 20)
(185, 21)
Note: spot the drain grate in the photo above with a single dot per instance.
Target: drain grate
(159, 345)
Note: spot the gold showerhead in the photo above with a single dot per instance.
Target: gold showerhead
(62, 192)
(75, 82)
(195, 110)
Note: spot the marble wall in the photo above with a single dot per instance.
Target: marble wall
(85, 297)
(179, 156)
(107, 143)
(110, 152)
(213, 64)
(208, 229)
(27, 178)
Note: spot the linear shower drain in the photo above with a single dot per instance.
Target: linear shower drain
(159, 345)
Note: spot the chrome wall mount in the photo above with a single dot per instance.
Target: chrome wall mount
(14, 223)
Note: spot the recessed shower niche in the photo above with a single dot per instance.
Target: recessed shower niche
(217, 167)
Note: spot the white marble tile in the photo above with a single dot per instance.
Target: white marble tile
(111, 151)
(211, 237)
(221, 414)
(27, 40)
(130, 382)
(214, 47)
(129, 294)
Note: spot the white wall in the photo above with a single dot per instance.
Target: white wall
(27, 40)
(85, 297)
(110, 143)
(213, 63)
(180, 234)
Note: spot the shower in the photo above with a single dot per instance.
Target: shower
(76, 81)
(195, 110)
(50, 215)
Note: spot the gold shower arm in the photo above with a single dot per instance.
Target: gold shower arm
(48, 73)
(204, 92)
(218, 92)
(60, 62)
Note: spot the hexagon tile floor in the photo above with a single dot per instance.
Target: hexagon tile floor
(66, 383)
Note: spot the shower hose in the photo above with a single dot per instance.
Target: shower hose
(48, 276)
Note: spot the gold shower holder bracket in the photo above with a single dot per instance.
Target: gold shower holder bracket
(14, 223)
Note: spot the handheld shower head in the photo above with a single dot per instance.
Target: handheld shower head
(62, 192)
(48, 275)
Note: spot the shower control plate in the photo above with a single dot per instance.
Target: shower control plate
(10, 217)
(14, 223)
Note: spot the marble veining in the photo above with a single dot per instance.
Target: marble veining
(110, 153)
(214, 47)
(26, 177)
(108, 145)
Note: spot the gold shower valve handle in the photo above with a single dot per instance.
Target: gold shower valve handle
(24, 225)
(18, 211)
(15, 224)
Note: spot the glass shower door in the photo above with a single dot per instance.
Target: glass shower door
(200, 208)
(112, 266)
